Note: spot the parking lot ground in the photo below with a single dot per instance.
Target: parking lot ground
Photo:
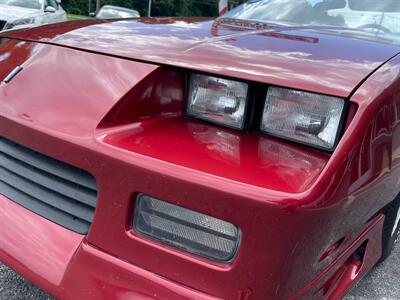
(382, 283)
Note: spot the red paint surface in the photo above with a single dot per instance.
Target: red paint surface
(35, 244)
(301, 57)
(290, 202)
(62, 263)
(344, 272)
(251, 159)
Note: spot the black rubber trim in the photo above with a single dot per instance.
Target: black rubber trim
(44, 210)
(47, 164)
(52, 189)
(2, 24)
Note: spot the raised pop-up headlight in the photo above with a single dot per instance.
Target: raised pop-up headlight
(183, 228)
(217, 100)
(307, 118)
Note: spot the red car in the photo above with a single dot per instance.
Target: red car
(255, 156)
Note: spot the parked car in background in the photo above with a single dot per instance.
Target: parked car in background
(15, 14)
(115, 12)
(255, 156)
(366, 14)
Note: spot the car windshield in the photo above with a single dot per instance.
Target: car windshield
(114, 13)
(33, 4)
(380, 16)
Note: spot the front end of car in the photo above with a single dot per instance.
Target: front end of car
(167, 182)
(14, 17)
(19, 23)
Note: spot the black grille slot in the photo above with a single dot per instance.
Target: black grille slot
(2, 24)
(52, 189)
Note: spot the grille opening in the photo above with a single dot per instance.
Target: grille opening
(50, 188)
(2, 24)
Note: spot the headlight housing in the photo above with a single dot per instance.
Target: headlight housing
(186, 229)
(218, 100)
(20, 22)
(308, 118)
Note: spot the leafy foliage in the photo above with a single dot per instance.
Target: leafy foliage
(207, 8)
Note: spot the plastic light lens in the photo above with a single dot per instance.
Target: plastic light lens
(217, 100)
(20, 22)
(194, 232)
(303, 117)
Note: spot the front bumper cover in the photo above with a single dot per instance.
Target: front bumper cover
(65, 265)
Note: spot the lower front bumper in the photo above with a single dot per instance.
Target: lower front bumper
(349, 266)
(65, 265)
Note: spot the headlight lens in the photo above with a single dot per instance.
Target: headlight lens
(21, 22)
(307, 118)
(218, 100)
(186, 229)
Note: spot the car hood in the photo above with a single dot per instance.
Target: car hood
(11, 13)
(325, 60)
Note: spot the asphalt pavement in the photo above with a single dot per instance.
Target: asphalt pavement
(382, 283)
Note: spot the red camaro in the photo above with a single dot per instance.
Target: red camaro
(255, 156)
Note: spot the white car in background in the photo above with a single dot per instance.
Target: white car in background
(115, 12)
(15, 14)
(375, 15)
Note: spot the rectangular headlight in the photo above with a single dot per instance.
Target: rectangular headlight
(217, 100)
(307, 118)
(183, 228)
